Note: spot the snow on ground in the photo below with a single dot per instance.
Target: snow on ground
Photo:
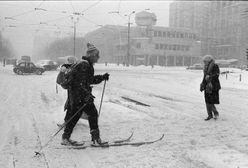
(30, 108)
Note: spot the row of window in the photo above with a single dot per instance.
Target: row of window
(174, 47)
(173, 34)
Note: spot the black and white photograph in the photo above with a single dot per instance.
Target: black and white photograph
(123, 84)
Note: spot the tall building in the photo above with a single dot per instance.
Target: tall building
(220, 25)
(149, 44)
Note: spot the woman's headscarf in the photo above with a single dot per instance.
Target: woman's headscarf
(209, 63)
(208, 59)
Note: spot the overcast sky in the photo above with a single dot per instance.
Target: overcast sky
(20, 21)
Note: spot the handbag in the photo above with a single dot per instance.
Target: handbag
(209, 87)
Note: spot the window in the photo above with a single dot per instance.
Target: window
(173, 34)
(194, 36)
(168, 34)
(161, 46)
(31, 65)
(22, 64)
(165, 46)
(190, 35)
(177, 47)
(181, 35)
(159, 34)
(164, 34)
(155, 33)
(138, 45)
(157, 46)
(174, 47)
(186, 35)
(177, 34)
(187, 48)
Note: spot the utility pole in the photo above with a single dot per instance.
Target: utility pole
(74, 51)
(75, 19)
(128, 39)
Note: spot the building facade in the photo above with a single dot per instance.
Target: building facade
(149, 44)
(220, 25)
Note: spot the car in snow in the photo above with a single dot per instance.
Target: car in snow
(27, 67)
(196, 66)
(48, 65)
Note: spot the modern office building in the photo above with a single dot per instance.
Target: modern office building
(149, 44)
(221, 26)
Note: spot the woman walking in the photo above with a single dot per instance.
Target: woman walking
(211, 86)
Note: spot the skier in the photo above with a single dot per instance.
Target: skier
(211, 86)
(80, 94)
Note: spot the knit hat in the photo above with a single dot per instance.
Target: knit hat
(90, 47)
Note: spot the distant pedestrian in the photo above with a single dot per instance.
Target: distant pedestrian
(211, 86)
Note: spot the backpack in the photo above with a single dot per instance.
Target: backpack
(64, 76)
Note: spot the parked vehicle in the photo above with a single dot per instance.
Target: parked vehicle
(196, 66)
(48, 65)
(26, 58)
(27, 67)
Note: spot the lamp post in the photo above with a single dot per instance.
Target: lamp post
(128, 38)
(75, 21)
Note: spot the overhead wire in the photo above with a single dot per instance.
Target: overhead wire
(12, 5)
(90, 21)
(119, 6)
(57, 19)
(24, 13)
(40, 4)
(72, 6)
(91, 6)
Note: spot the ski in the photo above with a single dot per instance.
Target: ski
(130, 143)
(123, 140)
(118, 143)
(102, 145)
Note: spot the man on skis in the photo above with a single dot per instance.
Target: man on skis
(80, 94)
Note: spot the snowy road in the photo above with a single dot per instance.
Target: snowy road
(30, 109)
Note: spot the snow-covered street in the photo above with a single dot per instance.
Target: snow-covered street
(168, 102)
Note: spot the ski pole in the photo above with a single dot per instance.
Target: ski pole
(102, 97)
(63, 125)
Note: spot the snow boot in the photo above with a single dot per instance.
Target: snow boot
(95, 137)
(216, 116)
(208, 118)
(69, 142)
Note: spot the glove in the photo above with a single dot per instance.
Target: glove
(207, 78)
(202, 87)
(105, 76)
(89, 99)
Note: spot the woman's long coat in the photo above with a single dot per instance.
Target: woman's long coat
(211, 85)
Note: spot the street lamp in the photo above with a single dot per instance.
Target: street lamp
(10, 18)
(40, 9)
(128, 38)
(75, 21)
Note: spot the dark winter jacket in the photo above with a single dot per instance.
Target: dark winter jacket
(82, 79)
(210, 83)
